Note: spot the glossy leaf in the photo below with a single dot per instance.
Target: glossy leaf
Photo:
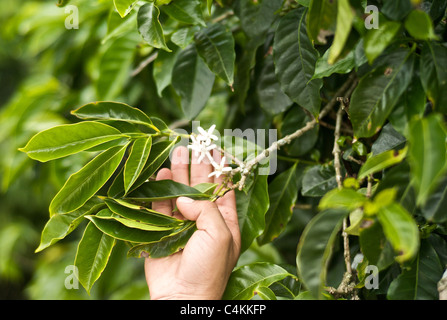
(124, 6)
(162, 70)
(318, 180)
(116, 111)
(61, 225)
(139, 153)
(315, 249)
(418, 281)
(251, 209)
(401, 230)
(186, 11)
(93, 253)
(119, 231)
(427, 154)
(295, 59)
(215, 44)
(245, 280)
(378, 92)
(433, 73)
(377, 40)
(68, 139)
(167, 245)
(135, 224)
(193, 81)
(434, 208)
(346, 198)
(164, 189)
(345, 18)
(150, 27)
(283, 192)
(142, 214)
(321, 18)
(83, 184)
(381, 161)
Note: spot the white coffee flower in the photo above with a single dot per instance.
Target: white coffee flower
(207, 136)
(219, 168)
(201, 149)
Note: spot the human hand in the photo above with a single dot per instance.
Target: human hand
(201, 270)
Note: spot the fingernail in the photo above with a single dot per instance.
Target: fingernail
(185, 200)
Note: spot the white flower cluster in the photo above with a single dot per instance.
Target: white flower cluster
(202, 145)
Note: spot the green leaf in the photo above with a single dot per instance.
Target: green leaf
(315, 249)
(401, 230)
(93, 254)
(345, 17)
(68, 139)
(381, 161)
(135, 224)
(139, 153)
(433, 73)
(348, 199)
(162, 70)
(215, 44)
(115, 66)
(318, 180)
(396, 9)
(419, 280)
(119, 231)
(434, 208)
(325, 69)
(124, 6)
(377, 40)
(427, 154)
(184, 36)
(104, 110)
(142, 214)
(283, 192)
(61, 225)
(321, 18)
(167, 245)
(420, 26)
(165, 189)
(186, 11)
(193, 81)
(245, 280)
(150, 27)
(251, 209)
(271, 98)
(295, 59)
(378, 92)
(83, 184)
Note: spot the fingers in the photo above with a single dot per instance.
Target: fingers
(180, 165)
(200, 171)
(164, 206)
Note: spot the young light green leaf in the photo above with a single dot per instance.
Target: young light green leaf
(117, 111)
(83, 184)
(193, 81)
(345, 18)
(186, 11)
(215, 44)
(150, 27)
(427, 154)
(124, 6)
(315, 248)
(245, 280)
(283, 191)
(401, 230)
(295, 59)
(164, 189)
(61, 225)
(377, 40)
(93, 253)
(381, 161)
(378, 92)
(139, 153)
(251, 209)
(136, 224)
(68, 139)
(420, 26)
(346, 198)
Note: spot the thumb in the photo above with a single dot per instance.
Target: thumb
(205, 213)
